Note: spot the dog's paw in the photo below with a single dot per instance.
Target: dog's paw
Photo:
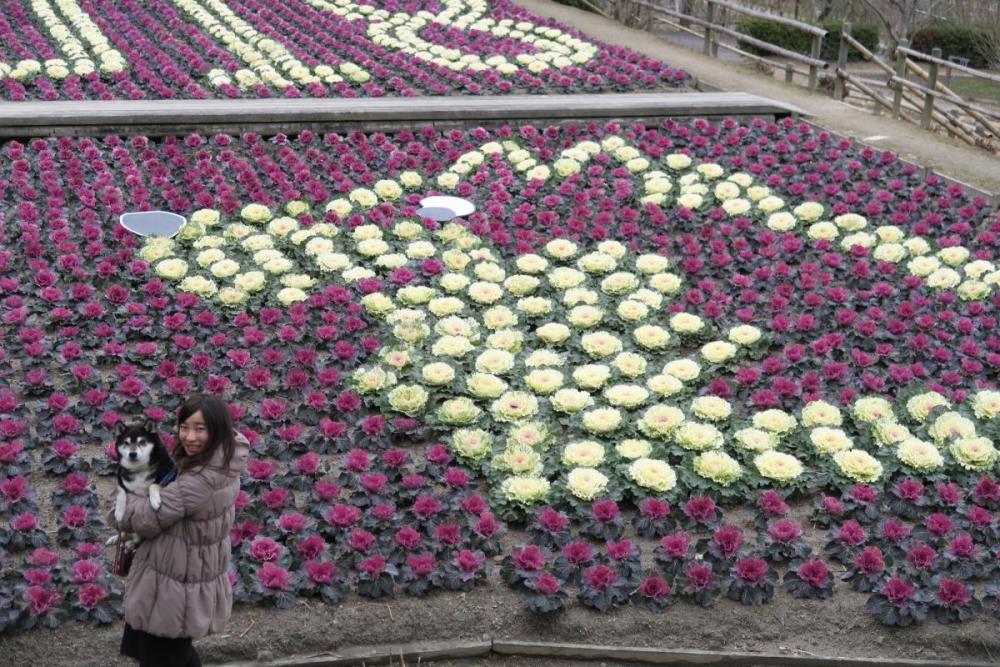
(113, 540)
(154, 496)
(120, 502)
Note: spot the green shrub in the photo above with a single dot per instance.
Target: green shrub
(962, 41)
(780, 35)
(866, 34)
(800, 41)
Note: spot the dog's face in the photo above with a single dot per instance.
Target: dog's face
(137, 446)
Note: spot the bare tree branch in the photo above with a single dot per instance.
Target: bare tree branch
(988, 43)
(824, 11)
(886, 23)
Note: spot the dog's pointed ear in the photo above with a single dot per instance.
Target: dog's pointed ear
(150, 426)
(119, 428)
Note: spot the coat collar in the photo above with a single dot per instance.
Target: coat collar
(236, 464)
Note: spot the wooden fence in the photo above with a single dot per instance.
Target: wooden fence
(938, 106)
(926, 101)
(643, 13)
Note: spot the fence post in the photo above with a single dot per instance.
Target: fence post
(683, 7)
(709, 18)
(897, 98)
(817, 49)
(789, 73)
(925, 117)
(838, 86)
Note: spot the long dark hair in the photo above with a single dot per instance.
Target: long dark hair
(219, 423)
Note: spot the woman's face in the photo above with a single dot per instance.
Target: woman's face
(194, 434)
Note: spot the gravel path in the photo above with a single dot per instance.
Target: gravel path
(949, 157)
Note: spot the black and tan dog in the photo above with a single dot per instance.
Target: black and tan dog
(144, 466)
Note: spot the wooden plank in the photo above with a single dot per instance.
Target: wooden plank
(676, 26)
(376, 109)
(386, 127)
(595, 8)
(868, 55)
(666, 656)
(416, 652)
(47, 118)
(843, 50)
(920, 55)
(805, 27)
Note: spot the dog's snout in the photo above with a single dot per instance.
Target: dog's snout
(133, 456)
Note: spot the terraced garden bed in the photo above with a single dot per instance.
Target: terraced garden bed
(716, 364)
(196, 49)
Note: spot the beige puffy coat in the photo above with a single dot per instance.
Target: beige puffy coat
(178, 585)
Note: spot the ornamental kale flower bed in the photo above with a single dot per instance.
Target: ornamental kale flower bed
(196, 49)
(781, 316)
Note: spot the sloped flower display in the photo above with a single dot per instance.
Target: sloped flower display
(566, 338)
(197, 49)
(765, 327)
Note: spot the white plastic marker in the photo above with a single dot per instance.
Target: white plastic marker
(152, 223)
(460, 207)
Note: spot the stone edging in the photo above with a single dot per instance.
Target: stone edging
(458, 649)
(160, 117)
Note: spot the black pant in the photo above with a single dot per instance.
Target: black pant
(154, 651)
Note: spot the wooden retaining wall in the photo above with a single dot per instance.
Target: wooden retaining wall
(386, 114)
(427, 652)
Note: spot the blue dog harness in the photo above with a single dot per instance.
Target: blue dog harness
(169, 477)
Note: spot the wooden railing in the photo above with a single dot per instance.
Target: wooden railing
(651, 11)
(981, 128)
(932, 105)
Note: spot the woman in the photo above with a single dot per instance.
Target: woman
(178, 587)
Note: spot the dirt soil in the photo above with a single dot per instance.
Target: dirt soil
(950, 157)
(836, 627)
